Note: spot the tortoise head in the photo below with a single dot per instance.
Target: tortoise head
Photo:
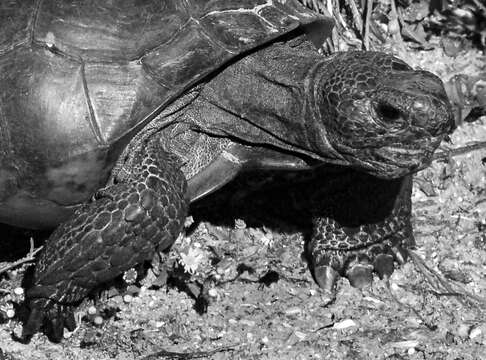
(380, 114)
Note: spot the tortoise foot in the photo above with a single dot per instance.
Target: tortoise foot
(356, 249)
(50, 316)
(358, 265)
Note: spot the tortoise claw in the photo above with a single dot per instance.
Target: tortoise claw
(69, 320)
(360, 275)
(55, 329)
(326, 278)
(383, 265)
(33, 324)
(358, 265)
(53, 316)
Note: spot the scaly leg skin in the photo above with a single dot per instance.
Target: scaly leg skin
(129, 220)
(355, 252)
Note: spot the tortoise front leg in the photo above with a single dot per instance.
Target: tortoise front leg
(356, 251)
(138, 214)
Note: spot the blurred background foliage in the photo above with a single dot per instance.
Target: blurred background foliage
(378, 24)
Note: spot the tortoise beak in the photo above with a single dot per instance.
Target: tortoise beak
(428, 106)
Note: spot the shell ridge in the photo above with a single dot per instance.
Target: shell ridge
(93, 119)
(158, 46)
(211, 39)
(255, 10)
(34, 19)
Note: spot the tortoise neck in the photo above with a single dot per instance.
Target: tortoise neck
(270, 94)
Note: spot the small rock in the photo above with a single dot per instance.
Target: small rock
(133, 290)
(300, 335)
(292, 291)
(475, 332)
(10, 313)
(344, 324)
(189, 221)
(266, 240)
(264, 340)
(407, 344)
(293, 311)
(159, 324)
(127, 298)
(98, 320)
(463, 330)
(213, 292)
(373, 300)
(249, 323)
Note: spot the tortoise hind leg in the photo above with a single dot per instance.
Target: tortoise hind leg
(356, 251)
(131, 218)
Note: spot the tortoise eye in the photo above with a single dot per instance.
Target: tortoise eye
(388, 113)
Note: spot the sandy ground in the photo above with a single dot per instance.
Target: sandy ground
(413, 316)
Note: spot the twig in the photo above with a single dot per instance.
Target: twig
(441, 282)
(164, 354)
(341, 25)
(479, 5)
(366, 30)
(397, 20)
(30, 257)
(473, 146)
(356, 15)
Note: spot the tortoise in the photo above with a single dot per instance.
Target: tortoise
(116, 115)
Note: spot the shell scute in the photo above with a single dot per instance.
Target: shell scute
(121, 95)
(186, 59)
(15, 23)
(108, 30)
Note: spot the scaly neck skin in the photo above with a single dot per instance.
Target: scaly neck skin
(267, 98)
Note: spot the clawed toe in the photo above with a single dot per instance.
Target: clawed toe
(69, 320)
(383, 265)
(326, 277)
(360, 275)
(357, 265)
(49, 316)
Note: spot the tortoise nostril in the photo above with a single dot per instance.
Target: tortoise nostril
(388, 113)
